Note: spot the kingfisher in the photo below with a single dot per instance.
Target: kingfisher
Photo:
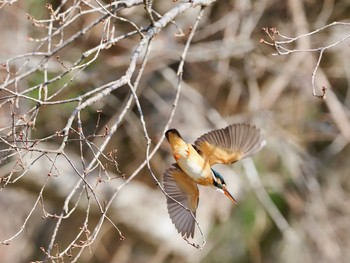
(193, 167)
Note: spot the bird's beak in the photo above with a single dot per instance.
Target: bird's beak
(227, 193)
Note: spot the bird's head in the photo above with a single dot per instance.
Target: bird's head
(220, 185)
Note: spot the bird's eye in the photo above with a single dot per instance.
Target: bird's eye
(222, 182)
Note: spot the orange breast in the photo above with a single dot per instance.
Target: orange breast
(190, 161)
(195, 166)
(205, 180)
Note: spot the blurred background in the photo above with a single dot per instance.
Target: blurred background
(56, 186)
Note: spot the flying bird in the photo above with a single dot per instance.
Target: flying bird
(193, 166)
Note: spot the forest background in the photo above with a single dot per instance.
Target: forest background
(88, 87)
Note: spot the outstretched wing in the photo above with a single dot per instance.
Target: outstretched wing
(185, 191)
(230, 144)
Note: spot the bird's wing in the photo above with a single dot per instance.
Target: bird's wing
(184, 190)
(230, 144)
